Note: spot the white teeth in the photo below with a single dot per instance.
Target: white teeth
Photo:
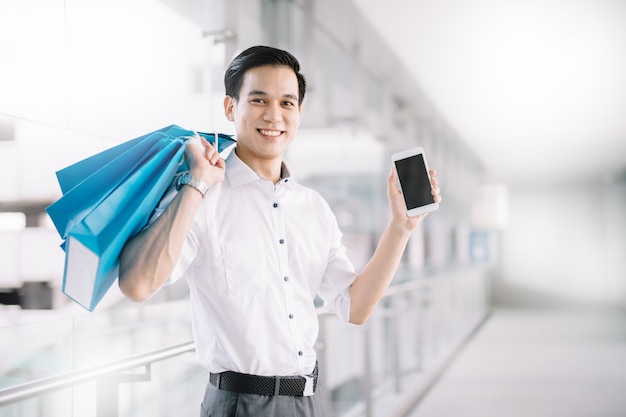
(270, 132)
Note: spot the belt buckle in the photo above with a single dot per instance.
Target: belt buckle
(309, 386)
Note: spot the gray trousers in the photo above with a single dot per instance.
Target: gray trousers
(221, 403)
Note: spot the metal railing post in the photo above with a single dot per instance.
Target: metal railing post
(73, 378)
(108, 391)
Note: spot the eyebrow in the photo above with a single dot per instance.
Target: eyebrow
(263, 93)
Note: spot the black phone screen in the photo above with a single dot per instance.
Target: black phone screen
(414, 181)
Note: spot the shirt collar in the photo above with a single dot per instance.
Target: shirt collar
(285, 172)
(239, 173)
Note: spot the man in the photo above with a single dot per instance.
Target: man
(256, 249)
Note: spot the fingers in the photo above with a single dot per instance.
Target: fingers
(392, 180)
(202, 149)
(211, 154)
(435, 193)
(435, 185)
(220, 163)
(433, 177)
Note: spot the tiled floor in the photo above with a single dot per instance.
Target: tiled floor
(539, 364)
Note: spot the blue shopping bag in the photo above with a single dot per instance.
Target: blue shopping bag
(74, 174)
(86, 183)
(109, 198)
(93, 246)
(69, 177)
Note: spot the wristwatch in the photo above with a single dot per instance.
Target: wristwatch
(198, 184)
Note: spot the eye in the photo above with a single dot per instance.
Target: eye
(289, 103)
(257, 100)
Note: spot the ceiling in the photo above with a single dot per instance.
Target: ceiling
(536, 87)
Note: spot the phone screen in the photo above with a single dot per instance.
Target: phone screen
(414, 181)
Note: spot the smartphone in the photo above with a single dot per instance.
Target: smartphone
(414, 181)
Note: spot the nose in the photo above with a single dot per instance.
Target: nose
(273, 112)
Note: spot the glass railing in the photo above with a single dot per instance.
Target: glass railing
(39, 344)
(138, 360)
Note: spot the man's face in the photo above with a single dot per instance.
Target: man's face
(267, 113)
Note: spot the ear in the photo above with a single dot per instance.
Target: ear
(229, 106)
(299, 111)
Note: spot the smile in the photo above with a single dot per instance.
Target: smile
(273, 133)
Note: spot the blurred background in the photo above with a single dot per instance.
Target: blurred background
(516, 285)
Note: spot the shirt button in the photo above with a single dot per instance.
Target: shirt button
(286, 279)
(291, 316)
(300, 353)
(275, 205)
(281, 241)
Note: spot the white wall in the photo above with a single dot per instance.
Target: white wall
(563, 244)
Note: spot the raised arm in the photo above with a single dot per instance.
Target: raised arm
(148, 259)
(374, 279)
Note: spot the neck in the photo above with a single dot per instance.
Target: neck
(270, 169)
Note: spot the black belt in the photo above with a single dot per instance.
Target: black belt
(296, 386)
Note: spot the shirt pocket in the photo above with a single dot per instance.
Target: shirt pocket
(244, 265)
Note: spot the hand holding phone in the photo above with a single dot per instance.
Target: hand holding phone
(414, 181)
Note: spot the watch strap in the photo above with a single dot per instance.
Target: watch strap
(188, 179)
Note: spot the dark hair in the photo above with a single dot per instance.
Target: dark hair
(258, 56)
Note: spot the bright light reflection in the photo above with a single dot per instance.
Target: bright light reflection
(12, 222)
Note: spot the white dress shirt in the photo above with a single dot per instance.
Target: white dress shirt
(255, 258)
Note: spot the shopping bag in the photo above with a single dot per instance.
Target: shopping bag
(109, 197)
(93, 246)
(74, 174)
(85, 183)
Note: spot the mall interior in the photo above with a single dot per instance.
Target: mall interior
(510, 299)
